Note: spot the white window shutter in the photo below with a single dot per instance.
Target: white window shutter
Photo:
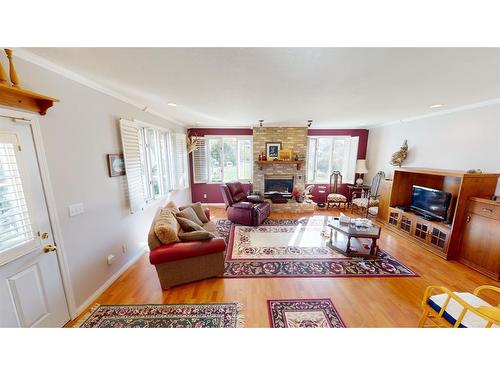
(311, 159)
(351, 157)
(200, 168)
(133, 165)
(180, 158)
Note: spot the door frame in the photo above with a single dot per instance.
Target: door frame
(32, 120)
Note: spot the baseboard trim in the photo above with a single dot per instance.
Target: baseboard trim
(108, 283)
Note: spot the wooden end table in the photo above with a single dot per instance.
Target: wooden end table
(345, 238)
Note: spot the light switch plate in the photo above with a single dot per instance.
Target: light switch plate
(76, 209)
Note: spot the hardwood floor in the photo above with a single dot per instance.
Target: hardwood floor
(362, 302)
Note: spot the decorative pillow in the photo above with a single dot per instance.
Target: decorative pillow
(172, 207)
(167, 228)
(153, 240)
(197, 235)
(198, 210)
(188, 213)
(188, 225)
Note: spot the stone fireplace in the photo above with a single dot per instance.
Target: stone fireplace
(292, 138)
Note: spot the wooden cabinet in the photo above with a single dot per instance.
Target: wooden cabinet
(433, 236)
(442, 239)
(480, 245)
(394, 216)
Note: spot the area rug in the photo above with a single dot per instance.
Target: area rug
(210, 315)
(296, 248)
(303, 313)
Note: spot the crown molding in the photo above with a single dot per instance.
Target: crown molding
(467, 107)
(55, 68)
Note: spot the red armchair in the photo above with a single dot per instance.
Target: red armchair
(251, 210)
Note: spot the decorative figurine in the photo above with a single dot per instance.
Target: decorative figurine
(399, 157)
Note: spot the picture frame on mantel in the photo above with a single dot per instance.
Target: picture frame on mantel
(273, 150)
(116, 165)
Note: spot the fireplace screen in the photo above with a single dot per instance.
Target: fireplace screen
(278, 184)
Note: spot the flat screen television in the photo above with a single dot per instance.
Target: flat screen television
(430, 203)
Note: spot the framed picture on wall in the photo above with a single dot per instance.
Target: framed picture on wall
(273, 150)
(116, 165)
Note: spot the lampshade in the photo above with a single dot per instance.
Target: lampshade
(361, 167)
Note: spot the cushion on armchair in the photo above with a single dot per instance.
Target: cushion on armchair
(244, 205)
(363, 202)
(255, 199)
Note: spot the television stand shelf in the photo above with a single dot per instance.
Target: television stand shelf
(437, 237)
(433, 235)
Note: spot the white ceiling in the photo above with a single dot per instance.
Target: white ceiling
(335, 87)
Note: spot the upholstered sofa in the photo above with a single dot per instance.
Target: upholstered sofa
(243, 209)
(184, 262)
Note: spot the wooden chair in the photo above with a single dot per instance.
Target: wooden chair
(445, 308)
(364, 203)
(335, 198)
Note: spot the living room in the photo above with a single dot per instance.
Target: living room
(237, 186)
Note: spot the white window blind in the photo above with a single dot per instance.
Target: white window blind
(15, 224)
(200, 170)
(180, 161)
(134, 163)
(326, 154)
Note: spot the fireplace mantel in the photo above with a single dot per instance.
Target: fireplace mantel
(263, 163)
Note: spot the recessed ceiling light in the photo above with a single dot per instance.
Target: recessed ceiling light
(172, 104)
(436, 106)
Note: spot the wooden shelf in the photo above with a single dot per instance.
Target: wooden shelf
(24, 99)
(263, 163)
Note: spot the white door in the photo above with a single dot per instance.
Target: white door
(31, 289)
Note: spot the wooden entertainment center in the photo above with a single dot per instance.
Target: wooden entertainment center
(441, 238)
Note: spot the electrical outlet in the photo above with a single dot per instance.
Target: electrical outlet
(76, 209)
(205, 196)
(111, 259)
(124, 248)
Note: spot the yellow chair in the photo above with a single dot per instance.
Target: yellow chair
(459, 309)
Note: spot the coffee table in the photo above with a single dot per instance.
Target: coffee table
(345, 238)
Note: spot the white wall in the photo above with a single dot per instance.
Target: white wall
(461, 140)
(78, 132)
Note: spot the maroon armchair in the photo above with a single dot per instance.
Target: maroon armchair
(251, 210)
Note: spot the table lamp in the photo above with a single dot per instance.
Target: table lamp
(360, 170)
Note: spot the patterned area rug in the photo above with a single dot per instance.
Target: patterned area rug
(296, 248)
(304, 313)
(211, 315)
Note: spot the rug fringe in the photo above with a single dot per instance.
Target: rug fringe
(85, 316)
(240, 317)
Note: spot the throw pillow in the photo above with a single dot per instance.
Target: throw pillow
(167, 228)
(197, 235)
(172, 207)
(188, 225)
(198, 209)
(188, 213)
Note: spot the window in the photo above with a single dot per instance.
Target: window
(155, 162)
(328, 154)
(222, 159)
(15, 225)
